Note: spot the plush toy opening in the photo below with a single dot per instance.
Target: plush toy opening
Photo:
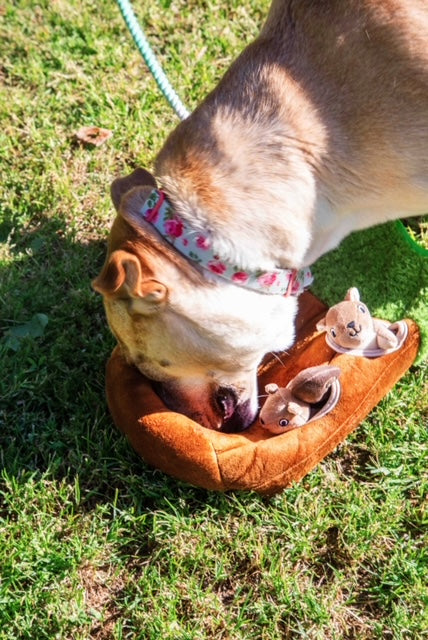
(327, 402)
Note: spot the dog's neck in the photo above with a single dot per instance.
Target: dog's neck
(280, 162)
(198, 247)
(242, 174)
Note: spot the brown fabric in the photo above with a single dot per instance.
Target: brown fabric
(255, 459)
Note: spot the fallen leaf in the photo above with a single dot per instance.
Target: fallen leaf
(93, 135)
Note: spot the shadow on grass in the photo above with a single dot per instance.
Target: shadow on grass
(54, 419)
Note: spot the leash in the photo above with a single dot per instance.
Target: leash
(150, 59)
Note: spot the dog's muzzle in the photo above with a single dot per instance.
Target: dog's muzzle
(241, 419)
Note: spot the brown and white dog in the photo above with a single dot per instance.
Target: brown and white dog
(319, 128)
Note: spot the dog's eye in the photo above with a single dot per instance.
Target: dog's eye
(226, 400)
(283, 422)
(362, 308)
(333, 333)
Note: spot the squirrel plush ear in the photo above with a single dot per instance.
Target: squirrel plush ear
(321, 324)
(353, 295)
(122, 278)
(295, 409)
(271, 388)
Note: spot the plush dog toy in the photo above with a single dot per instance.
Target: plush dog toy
(350, 328)
(295, 405)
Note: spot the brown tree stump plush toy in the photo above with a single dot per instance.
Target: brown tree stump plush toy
(256, 459)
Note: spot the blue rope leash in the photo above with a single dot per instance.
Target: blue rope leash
(150, 59)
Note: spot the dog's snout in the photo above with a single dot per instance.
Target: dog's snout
(226, 400)
(241, 419)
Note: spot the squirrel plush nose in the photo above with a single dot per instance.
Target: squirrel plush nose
(354, 328)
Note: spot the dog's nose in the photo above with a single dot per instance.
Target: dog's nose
(241, 419)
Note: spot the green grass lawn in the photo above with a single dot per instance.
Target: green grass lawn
(93, 543)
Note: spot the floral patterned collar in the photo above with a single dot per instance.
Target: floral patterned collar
(197, 247)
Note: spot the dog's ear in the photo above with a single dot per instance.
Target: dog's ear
(132, 203)
(120, 186)
(122, 277)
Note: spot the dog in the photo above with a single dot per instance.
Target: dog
(319, 128)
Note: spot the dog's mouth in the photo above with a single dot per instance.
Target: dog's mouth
(220, 410)
(241, 418)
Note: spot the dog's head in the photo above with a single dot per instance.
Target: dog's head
(199, 339)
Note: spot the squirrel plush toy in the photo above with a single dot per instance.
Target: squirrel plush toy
(310, 395)
(315, 391)
(350, 328)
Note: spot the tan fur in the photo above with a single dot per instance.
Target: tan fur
(319, 128)
(321, 123)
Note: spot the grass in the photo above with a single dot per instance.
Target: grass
(93, 543)
(417, 228)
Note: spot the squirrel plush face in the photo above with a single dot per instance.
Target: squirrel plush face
(349, 323)
(282, 410)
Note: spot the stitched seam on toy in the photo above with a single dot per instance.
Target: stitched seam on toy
(231, 485)
(331, 437)
(220, 475)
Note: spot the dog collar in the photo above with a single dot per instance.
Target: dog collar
(197, 247)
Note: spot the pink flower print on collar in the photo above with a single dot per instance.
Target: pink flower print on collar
(197, 247)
